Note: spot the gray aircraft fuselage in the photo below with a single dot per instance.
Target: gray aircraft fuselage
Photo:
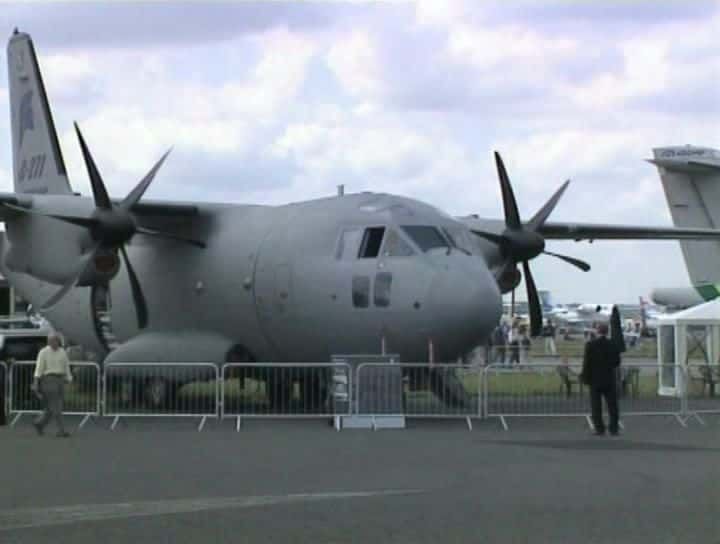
(279, 281)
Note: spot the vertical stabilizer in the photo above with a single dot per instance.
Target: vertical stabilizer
(691, 180)
(38, 166)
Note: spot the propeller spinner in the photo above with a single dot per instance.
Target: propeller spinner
(519, 243)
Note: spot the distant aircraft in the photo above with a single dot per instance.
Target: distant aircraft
(179, 282)
(690, 177)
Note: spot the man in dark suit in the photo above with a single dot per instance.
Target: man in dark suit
(600, 364)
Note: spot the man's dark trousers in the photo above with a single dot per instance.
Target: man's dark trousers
(610, 394)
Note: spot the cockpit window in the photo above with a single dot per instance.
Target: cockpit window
(372, 240)
(396, 246)
(426, 238)
(460, 238)
(349, 244)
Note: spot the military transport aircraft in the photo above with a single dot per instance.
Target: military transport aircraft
(187, 282)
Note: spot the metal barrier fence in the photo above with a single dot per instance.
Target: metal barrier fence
(329, 390)
(161, 390)
(703, 389)
(82, 396)
(285, 390)
(545, 390)
(419, 390)
(4, 384)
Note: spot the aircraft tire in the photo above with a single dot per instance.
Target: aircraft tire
(159, 393)
(279, 391)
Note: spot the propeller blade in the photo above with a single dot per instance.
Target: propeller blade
(170, 236)
(512, 216)
(138, 297)
(84, 262)
(495, 238)
(88, 222)
(582, 265)
(533, 301)
(542, 215)
(136, 194)
(102, 200)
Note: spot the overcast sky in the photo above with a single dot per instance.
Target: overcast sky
(272, 103)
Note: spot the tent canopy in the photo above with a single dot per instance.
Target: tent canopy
(707, 313)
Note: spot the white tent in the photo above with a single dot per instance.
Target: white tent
(690, 337)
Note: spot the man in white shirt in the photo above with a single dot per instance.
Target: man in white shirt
(52, 371)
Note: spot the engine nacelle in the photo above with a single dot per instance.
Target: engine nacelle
(508, 279)
(100, 270)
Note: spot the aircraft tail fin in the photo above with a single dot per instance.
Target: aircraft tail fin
(690, 177)
(38, 165)
(545, 300)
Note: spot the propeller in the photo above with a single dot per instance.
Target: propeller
(520, 243)
(111, 227)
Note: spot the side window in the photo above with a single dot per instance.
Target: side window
(395, 246)
(372, 240)
(383, 284)
(349, 244)
(361, 291)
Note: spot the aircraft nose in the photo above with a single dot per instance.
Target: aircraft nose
(466, 305)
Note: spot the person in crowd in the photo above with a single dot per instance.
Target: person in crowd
(600, 364)
(499, 344)
(548, 333)
(524, 345)
(514, 344)
(52, 372)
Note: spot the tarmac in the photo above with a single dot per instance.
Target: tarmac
(544, 480)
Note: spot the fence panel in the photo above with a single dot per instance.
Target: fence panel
(4, 379)
(638, 385)
(82, 396)
(556, 390)
(419, 390)
(534, 390)
(286, 390)
(703, 388)
(161, 390)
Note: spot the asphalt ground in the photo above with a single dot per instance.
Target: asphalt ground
(544, 480)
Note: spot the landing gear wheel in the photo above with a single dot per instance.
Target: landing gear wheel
(127, 392)
(280, 392)
(313, 390)
(159, 393)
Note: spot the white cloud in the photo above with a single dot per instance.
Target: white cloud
(511, 48)
(355, 62)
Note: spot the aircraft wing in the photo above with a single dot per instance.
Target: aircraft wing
(5, 212)
(598, 231)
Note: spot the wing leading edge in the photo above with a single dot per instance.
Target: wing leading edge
(599, 231)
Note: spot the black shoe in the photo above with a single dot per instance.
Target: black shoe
(38, 428)
(615, 433)
(62, 434)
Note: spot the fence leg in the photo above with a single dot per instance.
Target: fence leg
(237, 424)
(15, 420)
(590, 423)
(114, 423)
(700, 420)
(202, 423)
(84, 421)
(504, 423)
(338, 423)
(469, 423)
(621, 425)
(681, 420)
